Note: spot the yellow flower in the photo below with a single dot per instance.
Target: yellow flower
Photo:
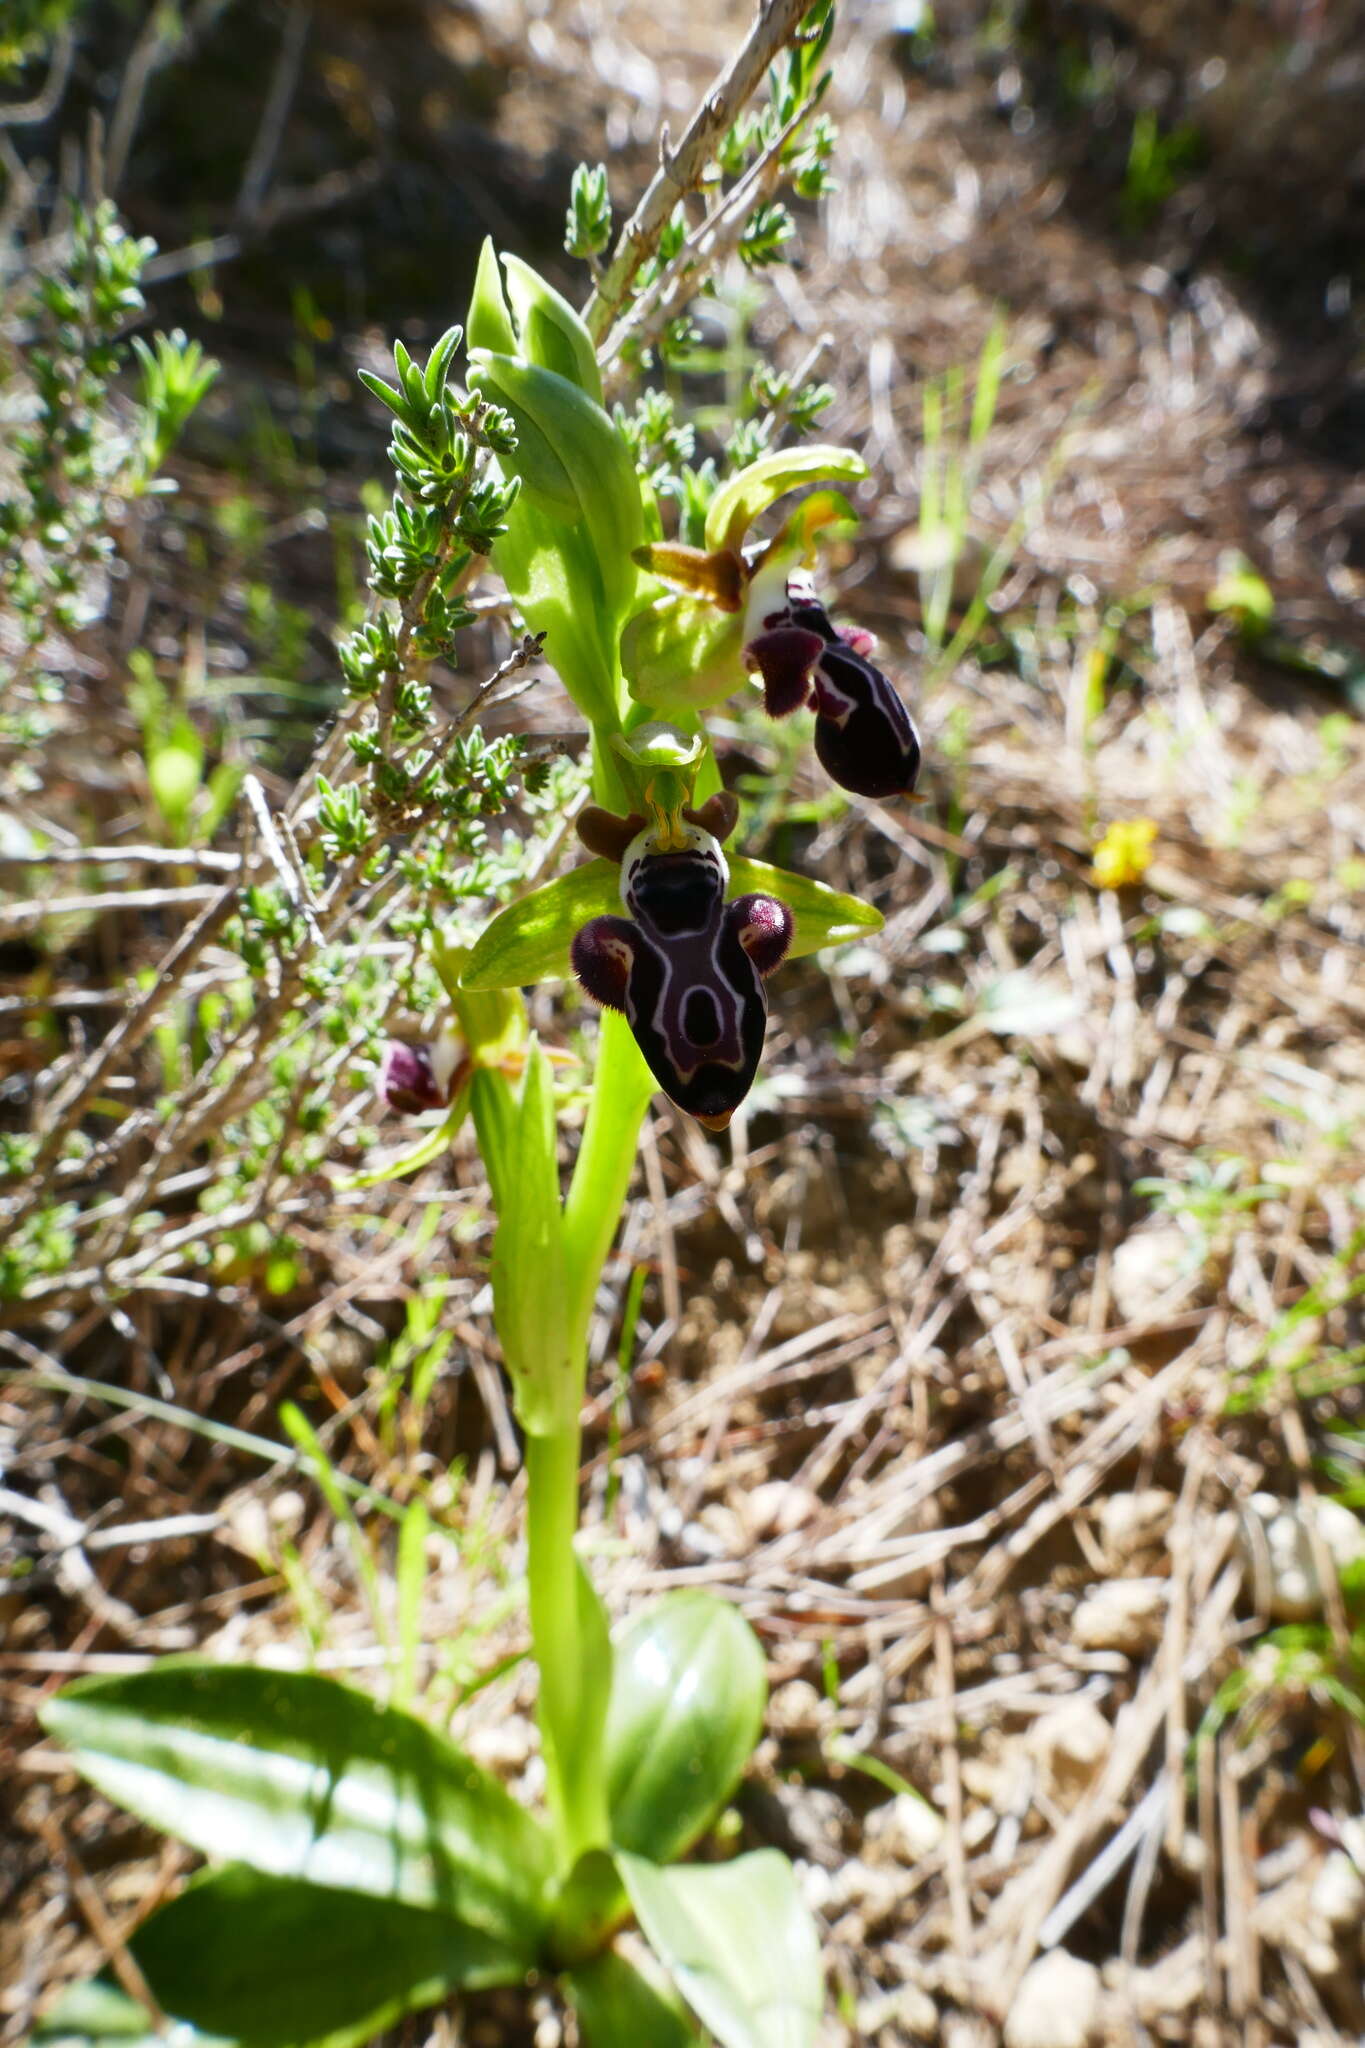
(1125, 853)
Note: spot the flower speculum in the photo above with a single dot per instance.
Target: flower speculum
(685, 967)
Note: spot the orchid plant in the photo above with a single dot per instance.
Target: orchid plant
(366, 1864)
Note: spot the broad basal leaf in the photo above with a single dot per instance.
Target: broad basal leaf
(271, 1963)
(739, 1943)
(688, 1692)
(301, 1777)
(618, 2007)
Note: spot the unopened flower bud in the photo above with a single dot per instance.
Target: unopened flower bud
(417, 1077)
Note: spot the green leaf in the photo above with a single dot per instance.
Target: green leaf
(529, 941)
(824, 916)
(301, 1777)
(547, 483)
(427, 1148)
(687, 1699)
(490, 323)
(97, 2011)
(268, 1962)
(558, 424)
(552, 572)
(529, 1280)
(272, 1963)
(739, 1943)
(738, 503)
(552, 334)
(619, 2007)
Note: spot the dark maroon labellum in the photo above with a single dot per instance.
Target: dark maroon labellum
(687, 969)
(864, 736)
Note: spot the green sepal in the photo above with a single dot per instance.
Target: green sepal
(739, 1943)
(490, 322)
(529, 941)
(528, 1267)
(689, 1688)
(618, 2006)
(740, 501)
(824, 916)
(550, 331)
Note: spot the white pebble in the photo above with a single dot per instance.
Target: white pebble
(1057, 2004)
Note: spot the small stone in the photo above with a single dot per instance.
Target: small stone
(906, 2011)
(286, 1510)
(1155, 1265)
(907, 1828)
(1056, 2006)
(797, 1708)
(1338, 1894)
(1124, 1614)
(1071, 1744)
(1135, 1521)
(777, 1509)
(871, 1895)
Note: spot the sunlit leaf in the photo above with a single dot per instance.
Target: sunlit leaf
(739, 1943)
(269, 1962)
(687, 1701)
(619, 2007)
(301, 1777)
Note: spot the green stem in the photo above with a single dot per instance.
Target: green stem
(572, 1746)
(568, 1628)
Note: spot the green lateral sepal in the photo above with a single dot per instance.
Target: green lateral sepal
(529, 941)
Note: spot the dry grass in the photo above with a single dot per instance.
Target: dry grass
(963, 1422)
